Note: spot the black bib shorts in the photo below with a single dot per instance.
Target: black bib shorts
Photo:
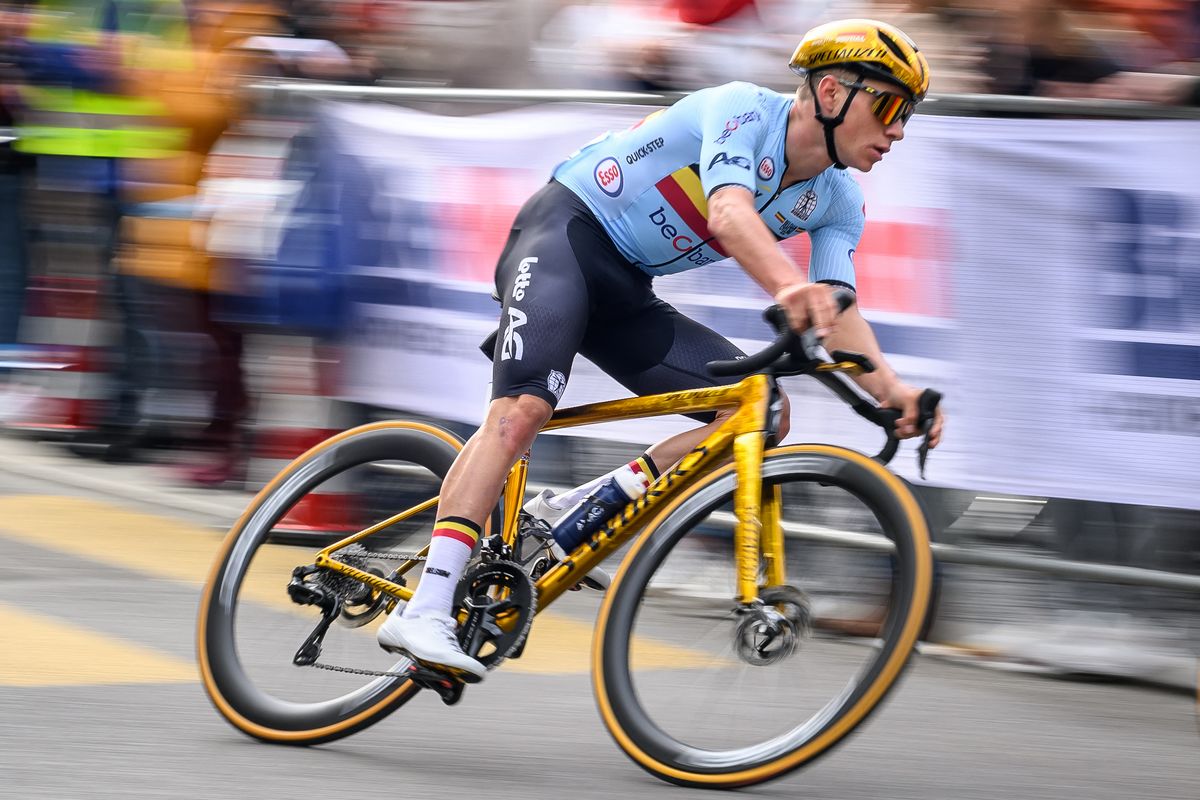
(566, 289)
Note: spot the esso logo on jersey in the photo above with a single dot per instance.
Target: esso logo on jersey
(766, 168)
(608, 177)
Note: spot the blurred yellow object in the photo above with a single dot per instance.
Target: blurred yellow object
(161, 241)
(114, 122)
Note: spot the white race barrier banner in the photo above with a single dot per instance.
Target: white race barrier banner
(1045, 274)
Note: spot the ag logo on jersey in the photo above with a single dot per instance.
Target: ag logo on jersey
(805, 205)
(766, 168)
(608, 177)
(725, 158)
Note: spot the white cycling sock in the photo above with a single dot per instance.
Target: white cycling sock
(449, 550)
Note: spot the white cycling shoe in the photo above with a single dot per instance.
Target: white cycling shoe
(430, 640)
(538, 508)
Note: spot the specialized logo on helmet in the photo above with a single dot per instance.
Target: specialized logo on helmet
(766, 168)
(843, 54)
(805, 205)
(608, 177)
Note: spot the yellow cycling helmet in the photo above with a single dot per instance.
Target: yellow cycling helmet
(875, 49)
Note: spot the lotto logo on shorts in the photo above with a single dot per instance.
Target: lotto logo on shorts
(513, 347)
(608, 177)
(521, 282)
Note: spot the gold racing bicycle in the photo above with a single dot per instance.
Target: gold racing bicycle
(711, 666)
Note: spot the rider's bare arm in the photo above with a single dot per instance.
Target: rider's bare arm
(733, 219)
(854, 334)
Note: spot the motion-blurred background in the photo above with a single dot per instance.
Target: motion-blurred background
(230, 229)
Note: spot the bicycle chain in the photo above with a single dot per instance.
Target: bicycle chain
(359, 552)
(359, 671)
(356, 555)
(384, 555)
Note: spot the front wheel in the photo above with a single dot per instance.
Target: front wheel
(701, 693)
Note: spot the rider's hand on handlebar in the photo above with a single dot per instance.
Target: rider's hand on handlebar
(809, 305)
(905, 397)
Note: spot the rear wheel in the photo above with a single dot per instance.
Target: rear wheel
(251, 628)
(702, 693)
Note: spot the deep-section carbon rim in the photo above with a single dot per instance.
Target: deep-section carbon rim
(237, 693)
(667, 753)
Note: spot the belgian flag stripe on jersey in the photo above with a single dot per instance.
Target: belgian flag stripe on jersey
(684, 193)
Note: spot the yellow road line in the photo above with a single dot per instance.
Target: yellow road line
(168, 548)
(37, 650)
(559, 645)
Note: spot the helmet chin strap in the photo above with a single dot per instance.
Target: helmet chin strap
(829, 123)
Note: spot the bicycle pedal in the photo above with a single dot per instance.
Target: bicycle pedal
(447, 686)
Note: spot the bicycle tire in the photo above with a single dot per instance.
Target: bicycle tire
(667, 757)
(225, 677)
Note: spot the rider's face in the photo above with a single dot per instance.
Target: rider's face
(863, 139)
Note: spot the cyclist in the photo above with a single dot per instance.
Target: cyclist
(724, 173)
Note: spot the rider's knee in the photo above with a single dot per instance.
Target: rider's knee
(517, 420)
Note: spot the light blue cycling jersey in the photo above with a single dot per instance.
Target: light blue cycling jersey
(649, 185)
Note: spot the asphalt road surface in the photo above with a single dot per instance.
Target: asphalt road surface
(99, 698)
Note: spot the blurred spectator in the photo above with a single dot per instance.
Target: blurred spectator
(948, 31)
(1158, 42)
(13, 168)
(1053, 49)
(84, 123)
(349, 26)
(618, 44)
(472, 43)
(687, 44)
(1169, 29)
(751, 40)
(162, 247)
(676, 44)
(1034, 50)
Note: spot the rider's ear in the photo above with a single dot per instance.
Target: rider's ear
(827, 94)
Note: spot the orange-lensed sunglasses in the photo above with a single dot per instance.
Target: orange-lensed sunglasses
(886, 106)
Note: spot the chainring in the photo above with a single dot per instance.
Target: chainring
(500, 602)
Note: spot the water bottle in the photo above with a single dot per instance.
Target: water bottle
(597, 508)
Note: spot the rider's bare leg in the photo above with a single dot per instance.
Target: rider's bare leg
(472, 489)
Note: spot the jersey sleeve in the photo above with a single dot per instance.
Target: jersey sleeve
(733, 126)
(836, 238)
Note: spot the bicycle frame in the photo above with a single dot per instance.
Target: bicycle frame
(744, 434)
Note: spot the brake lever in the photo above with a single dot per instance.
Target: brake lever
(927, 405)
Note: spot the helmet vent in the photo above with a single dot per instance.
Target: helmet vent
(893, 46)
